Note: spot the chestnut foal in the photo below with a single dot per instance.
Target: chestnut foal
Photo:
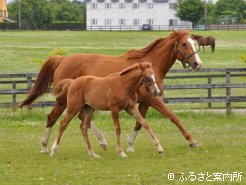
(113, 93)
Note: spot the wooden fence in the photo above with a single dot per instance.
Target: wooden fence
(209, 86)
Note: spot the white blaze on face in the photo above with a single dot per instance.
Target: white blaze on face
(153, 78)
(198, 60)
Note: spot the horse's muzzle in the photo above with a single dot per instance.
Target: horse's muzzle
(156, 92)
(196, 66)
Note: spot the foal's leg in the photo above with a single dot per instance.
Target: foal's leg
(135, 113)
(57, 110)
(99, 135)
(143, 108)
(63, 126)
(73, 107)
(115, 116)
(84, 129)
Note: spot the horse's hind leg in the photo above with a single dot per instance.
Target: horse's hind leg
(135, 113)
(85, 124)
(57, 110)
(143, 108)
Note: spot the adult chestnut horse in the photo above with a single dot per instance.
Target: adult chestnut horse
(204, 41)
(162, 53)
(102, 93)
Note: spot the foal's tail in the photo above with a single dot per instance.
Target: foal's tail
(61, 87)
(43, 81)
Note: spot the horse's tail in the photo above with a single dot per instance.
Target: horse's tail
(43, 81)
(61, 87)
(213, 46)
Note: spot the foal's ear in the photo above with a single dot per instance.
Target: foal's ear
(125, 71)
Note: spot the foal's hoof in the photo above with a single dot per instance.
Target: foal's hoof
(194, 145)
(104, 146)
(161, 153)
(122, 154)
(95, 156)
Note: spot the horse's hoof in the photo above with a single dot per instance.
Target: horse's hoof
(104, 146)
(194, 145)
(44, 150)
(130, 149)
(52, 154)
(161, 152)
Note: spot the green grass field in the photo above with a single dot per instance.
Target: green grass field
(222, 150)
(222, 137)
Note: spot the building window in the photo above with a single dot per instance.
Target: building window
(173, 6)
(94, 5)
(1, 13)
(107, 5)
(122, 5)
(5, 14)
(93, 21)
(150, 21)
(135, 5)
(135, 21)
(173, 22)
(108, 22)
(150, 5)
(122, 22)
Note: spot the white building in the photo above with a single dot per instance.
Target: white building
(132, 14)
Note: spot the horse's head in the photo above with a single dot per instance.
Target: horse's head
(186, 52)
(149, 78)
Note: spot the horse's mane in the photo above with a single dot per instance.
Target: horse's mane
(139, 53)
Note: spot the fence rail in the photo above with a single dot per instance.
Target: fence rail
(230, 82)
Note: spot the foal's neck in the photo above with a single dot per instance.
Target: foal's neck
(132, 80)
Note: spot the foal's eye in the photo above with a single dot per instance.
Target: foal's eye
(147, 79)
(184, 44)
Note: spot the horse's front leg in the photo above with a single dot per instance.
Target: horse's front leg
(96, 131)
(115, 116)
(159, 105)
(143, 108)
(58, 109)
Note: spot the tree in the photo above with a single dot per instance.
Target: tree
(231, 11)
(42, 13)
(190, 10)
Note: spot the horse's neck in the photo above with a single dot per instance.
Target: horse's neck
(197, 37)
(163, 58)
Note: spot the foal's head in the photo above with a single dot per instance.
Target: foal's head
(149, 78)
(186, 51)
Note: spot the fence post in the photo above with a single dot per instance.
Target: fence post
(14, 96)
(29, 84)
(228, 91)
(209, 92)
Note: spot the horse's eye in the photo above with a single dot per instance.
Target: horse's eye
(184, 44)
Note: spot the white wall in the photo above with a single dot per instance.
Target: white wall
(159, 14)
